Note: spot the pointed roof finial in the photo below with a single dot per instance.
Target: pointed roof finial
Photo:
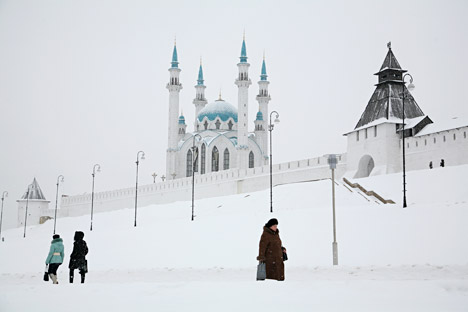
(263, 75)
(243, 57)
(200, 79)
(220, 99)
(175, 62)
(389, 45)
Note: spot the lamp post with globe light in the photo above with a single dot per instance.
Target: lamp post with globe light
(140, 156)
(403, 94)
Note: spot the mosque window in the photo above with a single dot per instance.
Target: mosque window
(251, 159)
(203, 157)
(215, 160)
(195, 160)
(230, 124)
(226, 159)
(218, 124)
(205, 124)
(189, 163)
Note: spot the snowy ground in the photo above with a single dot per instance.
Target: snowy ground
(391, 259)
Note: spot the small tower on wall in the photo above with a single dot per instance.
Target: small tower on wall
(199, 101)
(38, 206)
(174, 86)
(243, 82)
(263, 99)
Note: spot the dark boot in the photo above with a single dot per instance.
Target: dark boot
(71, 276)
(82, 278)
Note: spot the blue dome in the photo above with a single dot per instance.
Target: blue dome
(259, 116)
(219, 108)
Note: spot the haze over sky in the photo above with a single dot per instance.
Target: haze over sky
(83, 82)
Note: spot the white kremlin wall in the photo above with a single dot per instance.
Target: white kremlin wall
(222, 183)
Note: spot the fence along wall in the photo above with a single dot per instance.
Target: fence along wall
(222, 183)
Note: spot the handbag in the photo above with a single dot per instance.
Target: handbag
(261, 271)
(285, 255)
(46, 274)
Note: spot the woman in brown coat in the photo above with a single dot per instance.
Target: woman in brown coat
(271, 251)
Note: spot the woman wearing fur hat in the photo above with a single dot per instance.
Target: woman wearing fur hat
(77, 257)
(55, 257)
(271, 251)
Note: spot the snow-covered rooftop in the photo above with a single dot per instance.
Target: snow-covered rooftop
(444, 125)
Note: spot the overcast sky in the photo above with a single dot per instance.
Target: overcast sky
(83, 82)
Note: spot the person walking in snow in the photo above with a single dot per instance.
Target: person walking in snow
(55, 257)
(271, 251)
(77, 257)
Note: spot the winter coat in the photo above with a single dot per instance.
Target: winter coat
(56, 253)
(271, 253)
(80, 250)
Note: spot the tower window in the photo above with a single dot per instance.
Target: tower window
(251, 159)
(365, 133)
(375, 131)
(189, 163)
(226, 159)
(357, 136)
(215, 160)
(464, 134)
(454, 136)
(218, 124)
(444, 138)
(435, 140)
(203, 158)
(425, 141)
(230, 124)
(416, 143)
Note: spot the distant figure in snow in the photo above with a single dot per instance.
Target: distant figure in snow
(55, 257)
(77, 257)
(430, 165)
(271, 251)
(442, 163)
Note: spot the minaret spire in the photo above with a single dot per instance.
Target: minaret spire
(261, 124)
(174, 86)
(243, 82)
(199, 101)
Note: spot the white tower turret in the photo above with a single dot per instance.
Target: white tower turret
(199, 101)
(243, 82)
(174, 86)
(263, 99)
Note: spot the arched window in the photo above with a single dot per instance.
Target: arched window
(203, 157)
(230, 124)
(189, 163)
(215, 160)
(206, 124)
(226, 159)
(251, 159)
(217, 123)
(196, 156)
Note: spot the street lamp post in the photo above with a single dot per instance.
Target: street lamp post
(332, 161)
(154, 175)
(5, 194)
(92, 193)
(26, 210)
(142, 157)
(60, 178)
(194, 162)
(410, 88)
(271, 126)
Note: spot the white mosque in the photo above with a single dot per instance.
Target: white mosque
(221, 132)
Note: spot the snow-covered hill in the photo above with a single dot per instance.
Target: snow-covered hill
(214, 256)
